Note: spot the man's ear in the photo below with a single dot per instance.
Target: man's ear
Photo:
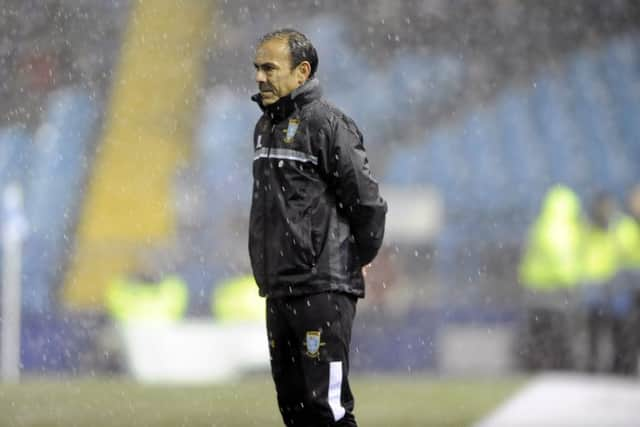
(303, 70)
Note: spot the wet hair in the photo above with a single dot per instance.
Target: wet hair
(300, 47)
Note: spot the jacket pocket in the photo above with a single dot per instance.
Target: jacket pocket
(257, 256)
(295, 254)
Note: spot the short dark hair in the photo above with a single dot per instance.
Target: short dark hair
(300, 47)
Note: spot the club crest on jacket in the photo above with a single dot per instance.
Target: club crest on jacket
(292, 128)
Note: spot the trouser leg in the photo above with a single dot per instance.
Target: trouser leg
(540, 324)
(286, 369)
(321, 325)
(594, 324)
(635, 334)
(618, 345)
(531, 350)
(625, 356)
(560, 352)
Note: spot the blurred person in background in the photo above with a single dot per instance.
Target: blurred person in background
(147, 297)
(143, 296)
(316, 219)
(599, 270)
(549, 272)
(235, 300)
(381, 276)
(626, 294)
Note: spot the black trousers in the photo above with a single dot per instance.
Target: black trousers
(599, 326)
(625, 331)
(621, 330)
(545, 344)
(309, 339)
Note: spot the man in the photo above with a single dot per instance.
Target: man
(626, 295)
(599, 275)
(316, 219)
(549, 273)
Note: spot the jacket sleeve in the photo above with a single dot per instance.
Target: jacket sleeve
(355, 188)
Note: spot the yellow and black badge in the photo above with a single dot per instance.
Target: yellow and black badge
(292, 128)
(313, 343)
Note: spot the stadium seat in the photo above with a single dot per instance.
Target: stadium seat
(486, 163)
(404, 167)
(525, 162)
(15, 144)
(223, 144)
(594, 108)
(560, 133)
(621, 73)
(62, 149)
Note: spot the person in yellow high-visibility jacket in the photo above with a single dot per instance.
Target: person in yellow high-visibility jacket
(130, 299)
(550, 272)
(236, 300)
(625, 298)
(600, 266)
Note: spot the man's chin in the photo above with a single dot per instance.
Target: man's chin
(268, 99)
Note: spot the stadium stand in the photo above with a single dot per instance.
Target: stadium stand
(488, 103)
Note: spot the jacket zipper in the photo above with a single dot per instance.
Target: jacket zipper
(264, 211)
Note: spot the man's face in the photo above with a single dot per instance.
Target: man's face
(274, 75)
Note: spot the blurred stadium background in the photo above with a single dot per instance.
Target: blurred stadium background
(126, 123)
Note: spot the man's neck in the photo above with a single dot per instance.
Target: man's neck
(285, 106)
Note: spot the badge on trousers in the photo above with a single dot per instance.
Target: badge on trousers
(313, 343)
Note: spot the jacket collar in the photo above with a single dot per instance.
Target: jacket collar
(285, 106)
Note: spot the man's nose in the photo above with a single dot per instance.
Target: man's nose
(260, 76)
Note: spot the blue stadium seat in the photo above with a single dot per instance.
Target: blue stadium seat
(60, 159)
(563, 141)
(545, 109)
(405, 166)
(621, 72)
(486, 163)
(447, 167)
(345, 66)
(526, 164)
(594, 106)
(423, 79)
(14, 155)
(437, 161)
(15, 144)
(224, 147)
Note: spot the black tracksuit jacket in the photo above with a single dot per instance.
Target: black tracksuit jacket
(316, 214)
